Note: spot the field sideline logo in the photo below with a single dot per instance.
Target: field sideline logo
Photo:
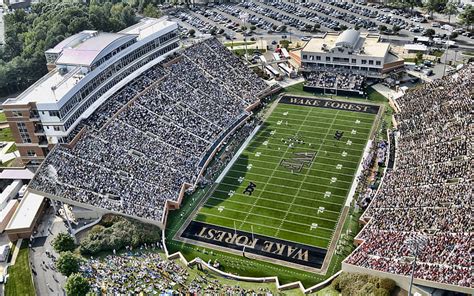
(329, 104)
(254, 243)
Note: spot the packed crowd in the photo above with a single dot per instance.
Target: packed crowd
(134, 273)
(335, 80)
(140, 146)
(429, 193)
(148, 273)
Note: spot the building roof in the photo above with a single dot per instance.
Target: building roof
(50, 88)
(17, 174)
(348, 38)
(92, 48)
(416, 47)
(361, 44)
(80, 50)
(147, 26)
(4, 212)
(26, 212)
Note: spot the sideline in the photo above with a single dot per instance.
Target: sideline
(234, 159)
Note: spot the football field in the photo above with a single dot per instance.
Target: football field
(290, 183)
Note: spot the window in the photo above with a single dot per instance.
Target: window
(57, 128)
(31, 153)
(364, 62)
(54, 113)
(328, 59)
(318, 58)
(25, 137)
(378, 63)
(305, 57)
(371, 62)
(354, 61)
(17, 113)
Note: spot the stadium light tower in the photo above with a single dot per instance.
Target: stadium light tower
(415, 244)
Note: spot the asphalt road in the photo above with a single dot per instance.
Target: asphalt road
(46, 279)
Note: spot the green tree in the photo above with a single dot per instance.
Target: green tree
(429, 32)
(433, 6)
(387, 284)
(419, 57)
(151, 11)
(192, 32)
(396, 29)
(382, 28)
(67, 263)
(76, 285)
(451, 9)
(63, 242)
(253, 28)
(467, 16)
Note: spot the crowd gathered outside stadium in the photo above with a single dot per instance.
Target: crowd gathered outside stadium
(429, 192)
(143, 271)
(147, 140)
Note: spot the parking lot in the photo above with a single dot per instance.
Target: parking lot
(273, 20)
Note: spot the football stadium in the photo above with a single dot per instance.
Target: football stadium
(241, 177)
(287, 194)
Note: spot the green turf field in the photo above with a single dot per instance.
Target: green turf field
(302, 175)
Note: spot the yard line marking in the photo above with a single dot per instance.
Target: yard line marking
(279, 201)
(310, 137)
(267, 226)
(306, 190)
(334, 159)
(311, 183)
(298, 174)
(265, 185)
(291, 195)
(260, 215)
(304, 178)
(265, 143)
(282, 124)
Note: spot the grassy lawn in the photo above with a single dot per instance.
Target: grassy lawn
(3, 118)
(6, 135)
(239, 43)
(437, 53)
(241, 52)
(20, 282)
(12, 148)
(410, 60)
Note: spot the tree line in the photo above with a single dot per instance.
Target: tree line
(29, 34)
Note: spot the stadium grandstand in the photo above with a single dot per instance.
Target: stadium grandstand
(147, 144)
(423, 210)
(85, 70)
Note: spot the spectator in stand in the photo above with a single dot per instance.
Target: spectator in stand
(430, 190)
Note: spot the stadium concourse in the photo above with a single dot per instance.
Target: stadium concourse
(428, 195)
(137, 150)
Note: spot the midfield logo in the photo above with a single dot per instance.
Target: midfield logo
(298, 160)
